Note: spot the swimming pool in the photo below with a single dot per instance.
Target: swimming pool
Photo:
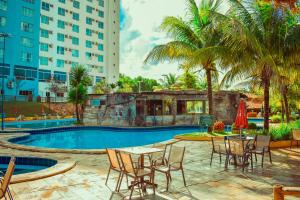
(99, 137)
(38, 124)
(256, 120)
(26, 164)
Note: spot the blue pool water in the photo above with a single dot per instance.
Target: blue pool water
(26, 164)
(100, 137)
(255, 120)
(38, 124)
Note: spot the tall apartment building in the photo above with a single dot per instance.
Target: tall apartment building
(76, 32)
(49, 37)
(21, 19)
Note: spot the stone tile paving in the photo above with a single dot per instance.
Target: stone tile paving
(86, 180)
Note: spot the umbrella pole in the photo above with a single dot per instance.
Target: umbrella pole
(240, 133)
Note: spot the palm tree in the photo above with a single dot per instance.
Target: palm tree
(258, 38)
(168, 80)
(79, 81)
(194, 41)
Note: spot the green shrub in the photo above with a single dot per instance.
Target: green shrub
(295, 124)
(282, 132)
(252, 126)
(276, 118)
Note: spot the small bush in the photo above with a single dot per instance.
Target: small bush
(252, 126)
(282, 132)
(219, 127)
(252, 114)
(276, 118)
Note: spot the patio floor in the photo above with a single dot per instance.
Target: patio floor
(86, 180)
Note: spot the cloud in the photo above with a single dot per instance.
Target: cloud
(140, 21)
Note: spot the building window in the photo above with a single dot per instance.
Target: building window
(29, 1)
(88, 44)
(26, 57)
(43, 61)
(75, 53)
(27, 12)
(61, 11)
(5, 70)
(44, 33)
(88, 32)
(60, 37)
(60, 50)
(75, 40)
(76, 4)
(60, 63)
(101, 69)
(60, 24)
(26, 73)
(90, 1)
(89, 9)
(2, 21)
(62, 1)
(154, 107)
(3, 5)
(88, 21)
(44, 75)
(26, 27)
(100, 25)
(44, 47)
(100, 13)
(101, 3)
(100, 47)
(25, 92)
(98, 79)
(74, 64)
(100, 36)
(75, 28)
(60, 77)
(195, 107)
(45, 6)
(76, 16)
(27, 42)
(88, 56)
(44, 19)
(100, 58)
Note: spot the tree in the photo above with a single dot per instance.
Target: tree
(168, 80)
(259, 37)
(102, 87)
(195, 41)
(79, 81)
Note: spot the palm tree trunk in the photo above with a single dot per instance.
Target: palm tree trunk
(209, 96)
(282, 109)
(77, 112)
(266, 82)
(286, 104)
(209, 92)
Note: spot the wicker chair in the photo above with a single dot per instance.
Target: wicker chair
(5, 181)
(218, 147)
(262, 146)
(115, 165)
(137, 173)
(296, 136)
(173, 163)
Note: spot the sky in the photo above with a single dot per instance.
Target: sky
(140, 21)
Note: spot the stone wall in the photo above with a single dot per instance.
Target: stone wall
(120, 109)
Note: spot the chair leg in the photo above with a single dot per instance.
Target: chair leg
(220, 157)
(107, 176)
(255, 157)
(132, 188)
(251, 157)
(118, 181)
(153, 183)
(168, 181)
(211, 157)
(292, 144)
(262, 159)
(9, 194)
(183, 177)
(270, 157)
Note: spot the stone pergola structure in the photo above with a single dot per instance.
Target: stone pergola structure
(158, 108)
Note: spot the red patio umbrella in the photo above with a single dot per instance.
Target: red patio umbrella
(241, 120)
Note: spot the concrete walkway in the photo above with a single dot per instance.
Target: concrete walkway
(86, 180)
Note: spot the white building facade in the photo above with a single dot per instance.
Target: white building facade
(77, 32)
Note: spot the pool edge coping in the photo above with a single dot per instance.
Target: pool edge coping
(5, 143)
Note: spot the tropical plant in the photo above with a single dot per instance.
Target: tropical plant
(194, 41)
(219, 126)
(102, 87)
(79, 81)
(259, 38)
(168, 80)
(137, 84)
